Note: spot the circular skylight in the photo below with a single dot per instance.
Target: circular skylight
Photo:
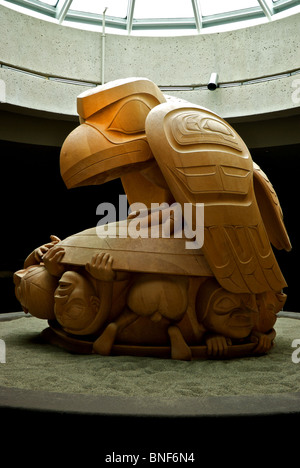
(158, 17)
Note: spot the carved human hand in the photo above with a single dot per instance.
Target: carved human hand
(35, 257)
(52, 259)
(100, 267)
(40, 251)
(217, 345)
(264, 341)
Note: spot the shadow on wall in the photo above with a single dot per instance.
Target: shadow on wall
(36, 204)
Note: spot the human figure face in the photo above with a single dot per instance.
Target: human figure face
(75, 302)
(231, 315)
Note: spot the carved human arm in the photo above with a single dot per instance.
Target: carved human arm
(35, 257)
(52, 259)
(100, 268)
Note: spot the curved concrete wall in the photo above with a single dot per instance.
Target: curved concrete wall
(50, 50)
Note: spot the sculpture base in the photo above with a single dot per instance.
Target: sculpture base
(150, 404)
(55, 335)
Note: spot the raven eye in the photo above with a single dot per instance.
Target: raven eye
(130, 118)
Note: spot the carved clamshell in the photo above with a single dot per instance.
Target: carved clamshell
(149, 255)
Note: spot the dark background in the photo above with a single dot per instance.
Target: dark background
(35, 203)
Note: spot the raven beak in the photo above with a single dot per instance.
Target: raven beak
(89, 158)
(111, 139)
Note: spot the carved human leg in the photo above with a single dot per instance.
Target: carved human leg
(105, 342)
(179, 348)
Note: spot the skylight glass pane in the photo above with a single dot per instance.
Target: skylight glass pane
(214, 7)
(116, 8)
(163, 9)
(155, 17)
(49, 2)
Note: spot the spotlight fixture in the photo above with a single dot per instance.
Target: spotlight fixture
(213, 82)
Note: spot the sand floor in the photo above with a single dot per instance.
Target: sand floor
(34, 365)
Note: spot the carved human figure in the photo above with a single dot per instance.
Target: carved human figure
(268, 304)
(98, 300)
(75, 297)
(82, 300)
(229, 318)
(35, 286)
(155, 297)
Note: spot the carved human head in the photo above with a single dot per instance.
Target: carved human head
(34, 289)
(75, 302)
(222, 312)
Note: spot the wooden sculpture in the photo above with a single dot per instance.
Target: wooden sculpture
(155, 295)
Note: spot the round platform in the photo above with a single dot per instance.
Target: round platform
(161, 386)
(43, 379)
